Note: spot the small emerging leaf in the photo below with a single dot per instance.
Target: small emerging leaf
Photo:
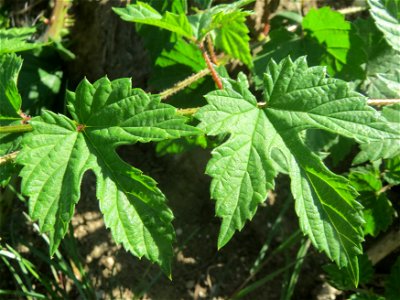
(144, 14)
(15, 40)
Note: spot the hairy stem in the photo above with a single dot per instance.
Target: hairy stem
(8, 157)
(183, 84)
(187, 111)
(57, 20)
(16, 128)
(210, 66)
(381, 102)
(210, 47)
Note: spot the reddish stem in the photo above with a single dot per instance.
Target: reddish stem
(210, 47)
(210, 66)
(267, 28)
(80, 127)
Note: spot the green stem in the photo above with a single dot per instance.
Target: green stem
(183, 84)
(16, 128)
(187, 111)
(381, 102)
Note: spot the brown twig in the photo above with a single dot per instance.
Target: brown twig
(8, 157)
(384, 246)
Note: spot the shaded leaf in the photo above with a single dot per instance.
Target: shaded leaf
(392, 170)
(343, 52)
(181, 145)
(377, 209)
(387, 148)
(340, 279)
(10, 99)
(386, 14)
(392, 286)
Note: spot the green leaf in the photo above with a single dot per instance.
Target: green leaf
(387, 148)
(338, 38)
(378, 211)
(389, 84)
(40, 80)
(392, 286)
(340, 279)
(181, 145)
(282, 43)
(366, 296)
(9, 142)
(15, 40)
(10, 99)
(381, 60)
(392, 170)
(59, 151)
(296, 98)
(232, 35)
(143, 13)
(386, 14)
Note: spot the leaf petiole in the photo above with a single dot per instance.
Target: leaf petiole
(16, 128)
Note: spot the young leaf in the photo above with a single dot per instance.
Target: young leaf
(387, 148)
(296, 98)
(10, 99)
(59, 151)
(232, 35)
(15, 40)
(144, 14)
(386, 14)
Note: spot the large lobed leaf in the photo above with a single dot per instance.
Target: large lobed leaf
(59, 151)
(386, 14)
(243, 169)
